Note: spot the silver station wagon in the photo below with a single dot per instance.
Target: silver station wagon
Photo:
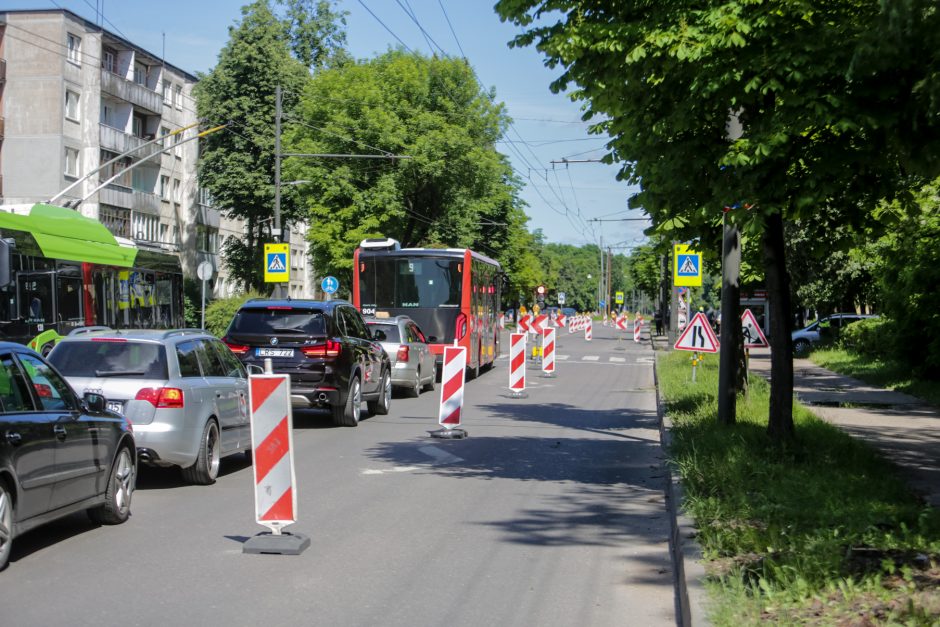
(197, 393)
(414, 367)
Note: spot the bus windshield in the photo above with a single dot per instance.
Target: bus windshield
(389, 282)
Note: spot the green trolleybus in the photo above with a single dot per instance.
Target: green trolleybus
(61, 271)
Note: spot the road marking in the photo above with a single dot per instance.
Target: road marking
(372, 471)
(646, 360)
(561, 357)
(440, 456)
(618, 360)
(590, 358)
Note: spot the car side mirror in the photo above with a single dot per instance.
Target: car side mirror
(379, 335)
(95, 402)
(254, 369)
(432, 339)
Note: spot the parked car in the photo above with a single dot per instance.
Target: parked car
(196, 392)
(414, 367)
(60, 453)
(331, 356)
(828, 327)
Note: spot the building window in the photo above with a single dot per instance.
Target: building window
(164, 131)
(74, 45)
(117, 168)
(140, 74)
(164, 187)
(107, 114)
(165, 233)
(177, 191)
(167, 86)
(177, 148)
(117, 220)
(178, 96)
(108, 58)
(137, 125)
(204, 197)
(71, 105)
(71, 162)
(207, 239)
(146, 227)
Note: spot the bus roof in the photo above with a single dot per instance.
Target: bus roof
(427, 252)
(64, 233)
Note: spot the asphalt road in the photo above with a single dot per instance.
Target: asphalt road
(552, 512)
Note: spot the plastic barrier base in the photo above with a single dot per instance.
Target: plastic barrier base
(449, 434)
(269, 544)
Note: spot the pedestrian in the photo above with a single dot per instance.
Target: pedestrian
(658, 319)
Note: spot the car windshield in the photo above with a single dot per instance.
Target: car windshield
(390, 330)
(268, 321)
(144, 360)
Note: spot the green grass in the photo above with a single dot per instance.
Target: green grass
(887, 374)
(820, 531)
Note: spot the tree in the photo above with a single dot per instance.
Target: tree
(451, 188)
(237, 167)
(317, 33)
(809, 83)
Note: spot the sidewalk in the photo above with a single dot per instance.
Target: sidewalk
(903, 428)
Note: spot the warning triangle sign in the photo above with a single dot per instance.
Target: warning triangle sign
(688, 266)
(698, 336)
(753, 336)
(276, 264)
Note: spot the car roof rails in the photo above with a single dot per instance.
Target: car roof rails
(172, 332)
(89, 329)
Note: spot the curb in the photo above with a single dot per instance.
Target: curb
(688, 570)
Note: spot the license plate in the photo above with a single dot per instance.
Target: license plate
(116, 406)
(275, 352)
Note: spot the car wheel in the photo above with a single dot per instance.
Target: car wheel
(117, 505)
(46, 349)
(382, 404)
(206, 468)
(801, 347)
(429, 386)
(415, 388)
(6, 524)
(347, 415)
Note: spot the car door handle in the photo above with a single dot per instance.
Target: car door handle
(14, 438)
(59, 431)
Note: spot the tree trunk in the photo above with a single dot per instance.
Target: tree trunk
(728, 366)
(780, 419)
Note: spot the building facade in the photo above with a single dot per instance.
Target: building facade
(73, 97)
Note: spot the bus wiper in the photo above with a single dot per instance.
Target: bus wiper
(119, 373)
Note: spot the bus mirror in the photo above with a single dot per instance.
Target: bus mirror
(6, 257)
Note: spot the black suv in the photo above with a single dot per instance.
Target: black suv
(331, 356)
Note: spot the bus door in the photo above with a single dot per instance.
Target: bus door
(35, 295)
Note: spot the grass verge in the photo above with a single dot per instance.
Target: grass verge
(820, 531)
(887, 374)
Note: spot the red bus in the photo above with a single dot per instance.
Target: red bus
(452, 293)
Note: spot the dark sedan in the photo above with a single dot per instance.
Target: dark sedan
(58, 453)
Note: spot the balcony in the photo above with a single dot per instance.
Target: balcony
(127, 198)
(129, 91)
(117, 140)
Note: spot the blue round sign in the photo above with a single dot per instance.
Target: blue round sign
(329, 284)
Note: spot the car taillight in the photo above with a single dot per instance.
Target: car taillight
(238, 349)
(161, 398)
(460, 328)
(328, 350)
(403, 353)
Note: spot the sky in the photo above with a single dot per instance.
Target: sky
(562, 199)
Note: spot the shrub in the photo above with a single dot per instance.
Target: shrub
(870, 337)
(220, 313)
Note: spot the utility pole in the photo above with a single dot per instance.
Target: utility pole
(278, 232)
(607, 307)
(600, 277)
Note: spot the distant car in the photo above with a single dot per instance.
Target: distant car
(331, 356)
(414, 367)
(60, 453)
(829, 327)
(196, 392)
(569, 311)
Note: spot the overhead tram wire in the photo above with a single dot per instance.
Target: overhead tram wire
(410, 12)
(451, 27)
(385, 26)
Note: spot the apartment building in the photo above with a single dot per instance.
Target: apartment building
(74, 96)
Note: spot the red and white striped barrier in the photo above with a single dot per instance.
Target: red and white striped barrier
(538, 324)
(637, 328)
(452, 380)
(522, 325)
(502, 322)
(517, 362)
(622, 323)
(272, 441)
(560, 320)
(588, 329)
(548, 351)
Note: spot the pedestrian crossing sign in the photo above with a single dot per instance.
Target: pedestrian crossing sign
(687, 266)
(276, 263)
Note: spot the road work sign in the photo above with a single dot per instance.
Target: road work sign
(276, 263)
(687, 267)
(753, 336)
